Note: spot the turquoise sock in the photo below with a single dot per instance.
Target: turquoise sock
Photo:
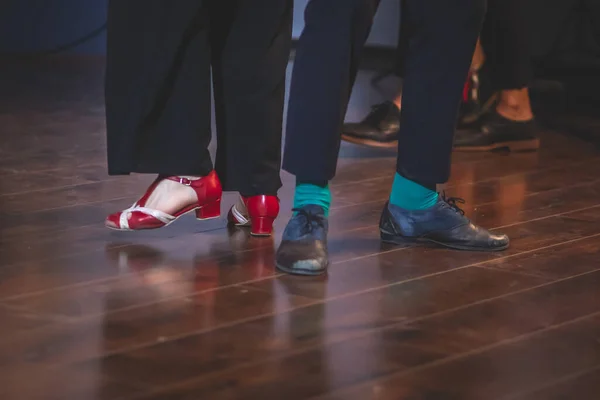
(410, 195)
(308, 193)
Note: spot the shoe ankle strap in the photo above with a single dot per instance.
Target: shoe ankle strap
(195, 183)
(183, 181)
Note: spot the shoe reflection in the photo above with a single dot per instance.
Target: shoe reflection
(200, 295)
(151, 274)
(494, 201)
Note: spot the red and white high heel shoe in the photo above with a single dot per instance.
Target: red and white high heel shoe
(137, 217)
(257, 212)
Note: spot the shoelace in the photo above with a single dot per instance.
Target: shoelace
(312, 220)
(454, 202)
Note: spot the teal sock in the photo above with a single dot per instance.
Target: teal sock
(309, 193)
(410, 195)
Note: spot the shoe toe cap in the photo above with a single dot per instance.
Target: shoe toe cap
(300, 258)
(113, 221)
(498, 241)
(315, 265)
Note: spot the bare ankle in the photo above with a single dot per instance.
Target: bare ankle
(515, 105)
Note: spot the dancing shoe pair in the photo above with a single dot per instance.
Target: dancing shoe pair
(303, 250)
(255, 212)
(480, 127)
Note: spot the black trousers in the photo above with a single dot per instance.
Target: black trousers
(506, 39)
(158, 88)
(439, 40)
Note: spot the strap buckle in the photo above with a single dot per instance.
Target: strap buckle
(185, 181)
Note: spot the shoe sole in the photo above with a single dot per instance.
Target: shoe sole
(391, 239)
(515, 146)
(519, 146)
(301, 272)
(369, 142)
(117, 229)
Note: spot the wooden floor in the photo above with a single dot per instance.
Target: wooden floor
(196, 311)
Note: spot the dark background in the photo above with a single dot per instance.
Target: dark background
(566, 32)
(566, 37)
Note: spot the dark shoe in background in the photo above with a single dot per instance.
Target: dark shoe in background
(379, 128)
(303, 248)
(443, 224)
(478, 98)
(494, 132)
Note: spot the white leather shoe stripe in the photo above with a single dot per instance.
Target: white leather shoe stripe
(239, 217)
(159, 215)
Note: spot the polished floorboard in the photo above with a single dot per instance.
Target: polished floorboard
(197, 311)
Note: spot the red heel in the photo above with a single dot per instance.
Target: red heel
(257, 212)
(209, 211)
(138, 216)
(261, 226)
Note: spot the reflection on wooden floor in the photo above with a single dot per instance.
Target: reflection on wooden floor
(196, 311)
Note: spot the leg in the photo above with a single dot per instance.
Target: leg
(158, 108)
(158, 74)
(442, 32)
(250, 53)
(477, 96)
(380, 128)
(325, 67)
(478, 57)
(506, 40)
